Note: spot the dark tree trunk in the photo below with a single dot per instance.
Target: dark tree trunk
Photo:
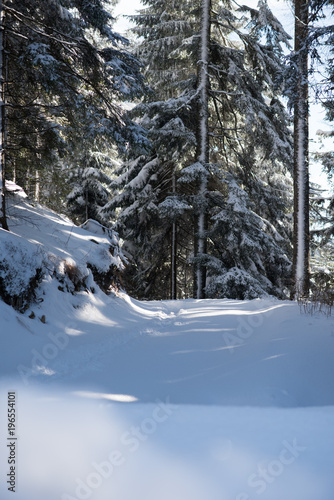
(3, 116)
(202, 150)
(173, 272)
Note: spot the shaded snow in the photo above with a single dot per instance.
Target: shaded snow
(213, 399)
(194, 399)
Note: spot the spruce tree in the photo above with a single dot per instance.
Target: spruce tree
(153, 218)
(249, 144)
(68, 73)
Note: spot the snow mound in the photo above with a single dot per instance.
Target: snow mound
(42, 243)
(21, 269)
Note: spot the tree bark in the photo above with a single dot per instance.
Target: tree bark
(203, 149)
(3, 72)
(174, 249)
(301, 274)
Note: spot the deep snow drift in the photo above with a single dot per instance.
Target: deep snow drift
(192, 400)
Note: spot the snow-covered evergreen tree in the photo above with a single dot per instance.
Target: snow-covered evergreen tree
(68, 73)
(138, 191)
(153, 217)
(248, 141)
(90, 179)
(249, 257)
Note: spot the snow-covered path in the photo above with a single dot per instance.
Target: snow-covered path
(256, 353)
(192, 400)
(215, 352)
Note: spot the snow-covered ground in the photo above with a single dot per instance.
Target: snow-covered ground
(192, 400)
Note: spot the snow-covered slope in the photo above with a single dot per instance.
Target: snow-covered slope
(42, 243)
(193, 400)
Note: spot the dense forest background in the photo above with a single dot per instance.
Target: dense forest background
(190, 140)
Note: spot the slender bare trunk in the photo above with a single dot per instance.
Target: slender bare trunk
(37, 186)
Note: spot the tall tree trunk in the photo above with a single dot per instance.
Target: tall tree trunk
(3, 116)
(173, 263)
(37, 186)
(174, 249)
(301, 156)
(203, 149)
